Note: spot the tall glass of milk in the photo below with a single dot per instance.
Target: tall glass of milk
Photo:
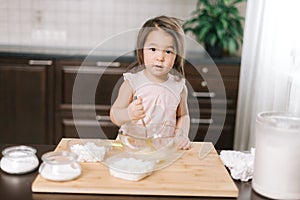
(277, 155)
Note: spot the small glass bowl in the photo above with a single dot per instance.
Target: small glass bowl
(19, 159)
(159, 143)
(89, 150)
(60, 166)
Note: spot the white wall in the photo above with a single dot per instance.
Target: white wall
(79, 23)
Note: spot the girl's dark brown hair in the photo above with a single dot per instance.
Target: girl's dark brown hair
(172, 26)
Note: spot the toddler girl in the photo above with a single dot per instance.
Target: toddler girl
(155, 92)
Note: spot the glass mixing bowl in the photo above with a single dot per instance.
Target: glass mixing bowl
(150, 147)
(156, 140)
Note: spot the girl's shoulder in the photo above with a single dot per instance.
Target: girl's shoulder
(132, 75)
(135, 79)
(177, 79)
(176, 76)
(175, 84)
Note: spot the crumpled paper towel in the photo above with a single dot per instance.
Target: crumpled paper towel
(241, 165)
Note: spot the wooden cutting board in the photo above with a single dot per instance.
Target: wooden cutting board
(190, 175)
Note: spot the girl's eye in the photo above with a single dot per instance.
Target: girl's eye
(169, 51)
(152, 49)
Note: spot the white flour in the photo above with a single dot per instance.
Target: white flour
(19, 163)
(88, 152)
(63, 172)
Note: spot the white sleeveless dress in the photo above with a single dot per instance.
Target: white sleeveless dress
(160, 100)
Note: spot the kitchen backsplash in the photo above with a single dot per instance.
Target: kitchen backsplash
(79, 23)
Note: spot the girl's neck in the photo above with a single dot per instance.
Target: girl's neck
(156, 79)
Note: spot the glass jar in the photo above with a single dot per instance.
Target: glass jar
(60, 166)
(19, 159)
(276, 165)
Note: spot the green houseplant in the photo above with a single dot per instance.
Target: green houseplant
(218, 24)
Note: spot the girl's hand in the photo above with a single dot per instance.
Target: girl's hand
(186, 145)
(183, 142)
(136, 110)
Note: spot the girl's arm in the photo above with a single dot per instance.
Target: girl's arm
(124, 108)
(118, 112)
(183, 118)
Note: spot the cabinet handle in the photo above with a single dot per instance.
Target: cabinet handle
(203, 83)
(204, 94)
(40, 62)
(201, 121)
(106, 64)
(102, 118)
(204, 70)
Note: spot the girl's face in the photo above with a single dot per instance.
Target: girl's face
(159, 54)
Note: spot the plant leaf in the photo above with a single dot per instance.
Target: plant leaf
(203, 31)
(237, 1)
(232, 47)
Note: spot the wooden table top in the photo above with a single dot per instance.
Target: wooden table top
(16, 187)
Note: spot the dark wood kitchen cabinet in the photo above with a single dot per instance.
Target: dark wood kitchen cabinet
(26, 100)
(213, 91)
(38, 105)
(87, 115)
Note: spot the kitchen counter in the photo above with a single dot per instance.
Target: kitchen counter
(16, 187)
(44, 52)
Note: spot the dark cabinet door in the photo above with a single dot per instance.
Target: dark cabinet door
(26, 101)
(212, 109)
(75, 115)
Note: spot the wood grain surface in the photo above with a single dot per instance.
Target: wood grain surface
(199, 172)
